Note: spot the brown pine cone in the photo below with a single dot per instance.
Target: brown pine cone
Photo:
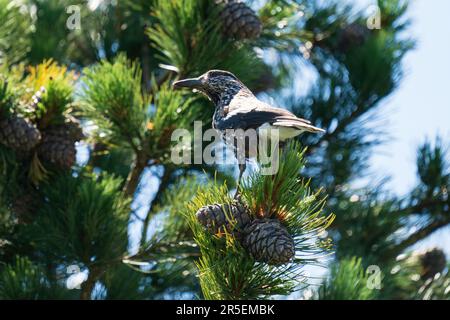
(433, 261)
(218, 218)
(267, 240)
(239, 21)
(69, 130)
(58, 151)
(58, 143)
(18, 134)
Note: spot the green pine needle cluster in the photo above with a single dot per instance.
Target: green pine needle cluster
(347, 281)
(68, 228)
(114, 76)
(226, 270)
(14, 33)
(115, 100)
(204, 47)
(24, 280)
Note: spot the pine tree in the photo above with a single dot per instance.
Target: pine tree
(89, 195)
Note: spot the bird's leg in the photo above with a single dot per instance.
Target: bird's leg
(242, 167)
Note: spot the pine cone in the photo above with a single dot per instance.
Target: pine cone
(239, 21)
(217, 218)
(58, 143)
(352, 35)
(58, 151)
(19, 134)
(267, 240)
(433, 261)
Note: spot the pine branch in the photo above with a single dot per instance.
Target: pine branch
(164, 183)
(114, 100)
(417, 236)
(341, 127)
(146, 74)
(347, 281)
(24, 279)
(162, 250)
(68, 223)
(134, 176)
(88, 285)
(228, 268)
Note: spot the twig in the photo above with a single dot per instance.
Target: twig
(146, 78)
(417, 236)
(88, 285)
(184, 249)
(133, 178)
(342, 125)
(423, 232)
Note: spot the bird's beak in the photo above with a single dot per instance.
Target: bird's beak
(192, 83)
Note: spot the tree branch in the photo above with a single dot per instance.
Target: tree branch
(165, 180)
(425, 231)
(343, 123)
(88, 285)
(417, 236)
(185, 249)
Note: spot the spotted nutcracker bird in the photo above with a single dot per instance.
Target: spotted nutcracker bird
(238, 108)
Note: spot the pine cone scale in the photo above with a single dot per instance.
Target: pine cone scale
(58, 144)
(267, 240)
(217, 218)
(239, 21)
(19, 134)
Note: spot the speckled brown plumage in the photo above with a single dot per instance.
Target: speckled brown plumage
(236, 107)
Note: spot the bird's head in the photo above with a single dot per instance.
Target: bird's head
(218, 85)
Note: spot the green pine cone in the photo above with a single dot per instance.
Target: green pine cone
(267, 240)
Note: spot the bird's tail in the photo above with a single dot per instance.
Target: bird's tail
(299, 124)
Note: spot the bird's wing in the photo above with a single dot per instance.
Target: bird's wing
(296, 123)
(253, 115)
(280, 112)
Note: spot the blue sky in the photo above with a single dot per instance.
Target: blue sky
(420, 108)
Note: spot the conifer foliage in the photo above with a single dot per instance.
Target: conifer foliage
(93, 207)
(266, 255)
